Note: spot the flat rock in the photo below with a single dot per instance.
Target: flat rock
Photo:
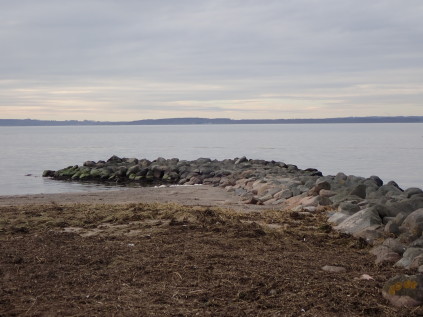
(334, 269)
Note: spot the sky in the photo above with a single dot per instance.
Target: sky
(122, 60)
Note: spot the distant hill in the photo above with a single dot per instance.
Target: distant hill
(190, 121)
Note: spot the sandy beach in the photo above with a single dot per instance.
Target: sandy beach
(180, 251)
(197, 195)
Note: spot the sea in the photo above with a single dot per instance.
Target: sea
(392, 151)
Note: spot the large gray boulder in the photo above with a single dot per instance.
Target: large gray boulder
(413, 223)
(409, 255)
(360, 220)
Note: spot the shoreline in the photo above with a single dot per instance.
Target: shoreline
(183, 195)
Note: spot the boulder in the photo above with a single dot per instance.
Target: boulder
(48, 173)
(327, 193)
(361, 220)
(337, 217)
(409, 192)
(392, 228)
(114, 159)
(349, 206)
(241, 160)
(371, 234)
(315, 201)
(377, 180)
(408, 257)
(413, 223)
(320, 184)
(89, 163)
(395, 245)
(404, 290)
(359, 190)
(384, 254)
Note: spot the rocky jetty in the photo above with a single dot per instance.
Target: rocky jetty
(383, 215)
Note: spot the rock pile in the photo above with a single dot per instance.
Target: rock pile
(384, 215)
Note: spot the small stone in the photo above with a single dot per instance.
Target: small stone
(334, 269)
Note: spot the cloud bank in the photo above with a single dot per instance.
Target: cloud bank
(129, 60)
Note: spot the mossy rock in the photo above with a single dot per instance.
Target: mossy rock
(95, 172)
(84, 176)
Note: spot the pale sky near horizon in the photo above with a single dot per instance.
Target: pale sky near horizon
(116, 60)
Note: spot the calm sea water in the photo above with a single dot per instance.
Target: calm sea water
(391, 151)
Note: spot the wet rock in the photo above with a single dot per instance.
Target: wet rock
(404, 290)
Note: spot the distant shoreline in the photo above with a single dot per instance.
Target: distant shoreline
(207, 121)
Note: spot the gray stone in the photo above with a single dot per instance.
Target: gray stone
(395, 245)
(413, 223)
(334, 269)
(392, 228)
(377, 180)
(348, 206)
(385, 255)
(361, 220)
(327, 193)
(371, 234)
(359, 190)
(409, 192)
(287, 193)
(408, 257)
(241, 160)
(418, 243)
(404, 290)
(320, 184)
(338, 217)
(114, 159)
(89, 163)
(417, 262)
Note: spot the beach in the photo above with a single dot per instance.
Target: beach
(181, 251)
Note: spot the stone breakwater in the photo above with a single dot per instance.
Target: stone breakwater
(384, 215)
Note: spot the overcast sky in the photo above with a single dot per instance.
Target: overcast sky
(133, 59)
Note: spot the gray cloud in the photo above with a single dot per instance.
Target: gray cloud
(211, 58)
